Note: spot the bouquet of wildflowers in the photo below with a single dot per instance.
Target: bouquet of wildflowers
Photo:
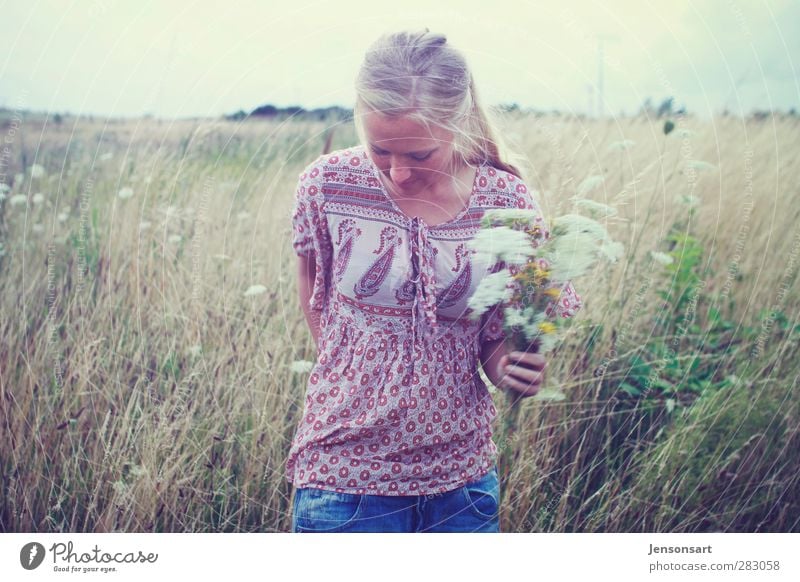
(539, 264)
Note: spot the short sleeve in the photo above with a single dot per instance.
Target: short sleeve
(310, 229)
(491, 325)
(305, 214)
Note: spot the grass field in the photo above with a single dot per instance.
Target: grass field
(142, 389)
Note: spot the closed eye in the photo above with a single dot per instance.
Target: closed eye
(417, 157)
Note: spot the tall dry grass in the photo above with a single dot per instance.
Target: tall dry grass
(141, 390)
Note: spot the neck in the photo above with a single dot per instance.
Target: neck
(449, 183)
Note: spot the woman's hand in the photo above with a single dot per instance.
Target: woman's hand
(522, 372)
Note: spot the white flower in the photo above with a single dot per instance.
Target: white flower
(106, 156)
(492, 289)
(578, 223)
(126, 193)
(623, 145)
(662, 258)
(222, 257)
(612, 250)
(503, 243)
(18, 200)
(301, 366)
(62, 217)
(254, 290)
(589, 184)
(577, 240)
(596, 208)
(38, 228)
(19, 179)
(144, 225)
(514, 317)
(4, 188)
(194, 351)
(175, 238)
(699, 165)
(38, 198)
(510, 214)
(571, 255)
(37, 171)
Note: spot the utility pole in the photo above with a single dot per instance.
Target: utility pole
(601, 61)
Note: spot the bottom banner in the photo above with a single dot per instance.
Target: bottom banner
(354, 556)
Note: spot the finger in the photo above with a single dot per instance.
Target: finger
(523, 373)
(522, 387)
(535, 360)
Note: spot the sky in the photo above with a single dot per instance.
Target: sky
(198, 58)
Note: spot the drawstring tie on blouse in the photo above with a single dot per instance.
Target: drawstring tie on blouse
(424, 309)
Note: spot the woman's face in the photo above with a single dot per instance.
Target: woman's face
(410, 156)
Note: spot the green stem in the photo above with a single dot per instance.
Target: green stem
(509, 452)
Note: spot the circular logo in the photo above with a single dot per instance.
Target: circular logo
(31, 555)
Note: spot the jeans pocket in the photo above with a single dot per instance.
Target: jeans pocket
(320, 510)
(482, 496)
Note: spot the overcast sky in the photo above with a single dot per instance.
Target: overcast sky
(205, 58)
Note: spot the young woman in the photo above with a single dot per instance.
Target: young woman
(396, 431)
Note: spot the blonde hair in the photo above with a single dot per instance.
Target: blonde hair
(417, 75)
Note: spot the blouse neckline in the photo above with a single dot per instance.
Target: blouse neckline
(409, 219)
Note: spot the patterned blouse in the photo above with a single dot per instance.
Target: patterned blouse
(394, 404)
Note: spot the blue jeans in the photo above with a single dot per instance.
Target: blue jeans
(470, 508)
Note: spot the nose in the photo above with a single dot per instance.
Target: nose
(400, 175)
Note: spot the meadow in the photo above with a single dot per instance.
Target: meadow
(149, 323)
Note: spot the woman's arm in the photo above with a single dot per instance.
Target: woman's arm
(492, 353)
(307, 269)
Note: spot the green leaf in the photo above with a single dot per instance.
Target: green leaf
(665, 385)
(550, 394)
(629, 389)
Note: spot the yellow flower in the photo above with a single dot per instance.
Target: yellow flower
(553, 292)
(540, 275)
(547, 327)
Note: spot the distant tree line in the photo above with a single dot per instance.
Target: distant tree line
(295, 112)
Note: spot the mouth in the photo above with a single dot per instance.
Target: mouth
(405, 184)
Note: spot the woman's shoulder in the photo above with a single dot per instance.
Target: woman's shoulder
(502, 189)
(335, 163)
